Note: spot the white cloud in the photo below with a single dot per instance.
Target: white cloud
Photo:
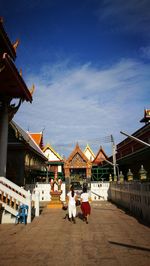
(145, 51)
(83, 102)
(126, 15)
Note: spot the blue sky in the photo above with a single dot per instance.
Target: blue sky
(90, 63)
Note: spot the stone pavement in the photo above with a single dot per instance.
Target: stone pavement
(111, 238)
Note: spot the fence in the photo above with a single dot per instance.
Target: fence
(134, 196)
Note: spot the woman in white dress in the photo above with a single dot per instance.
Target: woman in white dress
(72, 197)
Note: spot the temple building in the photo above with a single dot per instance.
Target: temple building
(77, 167)
(133, 152)
(25, 158)
(55, 163)
(98, 172)
(12, 87)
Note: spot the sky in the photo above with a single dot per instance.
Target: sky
(90, 63)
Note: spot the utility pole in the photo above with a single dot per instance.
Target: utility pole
(114, 154)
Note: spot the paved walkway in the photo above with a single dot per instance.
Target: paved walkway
(111, 238)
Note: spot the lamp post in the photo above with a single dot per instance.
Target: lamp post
(114, 156)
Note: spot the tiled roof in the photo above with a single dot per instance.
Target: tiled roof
(100, 156)
(12, 84)
(38, 138)
(75, 151)
(28, 139)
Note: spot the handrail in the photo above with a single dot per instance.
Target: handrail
(12, 185)
(97, 194)
(10, 192)
(13, 194)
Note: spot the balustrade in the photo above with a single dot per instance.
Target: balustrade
(12, 196)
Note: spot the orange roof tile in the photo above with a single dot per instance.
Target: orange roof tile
(100, 157)
(38, 138)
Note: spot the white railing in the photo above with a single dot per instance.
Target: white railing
(12, 196)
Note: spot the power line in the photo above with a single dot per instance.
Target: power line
(94, 141)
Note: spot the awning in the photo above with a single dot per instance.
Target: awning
(55, 163)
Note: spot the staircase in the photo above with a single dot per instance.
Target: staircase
(11, 197)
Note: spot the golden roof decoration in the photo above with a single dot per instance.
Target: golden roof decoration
(15, 45)
(32, 89)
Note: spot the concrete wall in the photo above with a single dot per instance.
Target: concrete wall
(44, 190)
(134, 196)
(99, 190)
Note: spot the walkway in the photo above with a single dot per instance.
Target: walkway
(111, 238)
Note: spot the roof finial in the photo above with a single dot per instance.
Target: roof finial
(32, 89)
(20, 72)
(15, 45)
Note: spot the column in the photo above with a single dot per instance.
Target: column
(3, 138)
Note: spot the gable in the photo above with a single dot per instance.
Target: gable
(17, 134)
(100, 157)
(38, 138)
(78, 161)
(89, 153)
(77, 150)
(51, 154)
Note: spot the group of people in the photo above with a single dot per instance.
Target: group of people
(72, 199)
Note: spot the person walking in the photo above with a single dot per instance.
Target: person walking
(71, 198)
(85, 205)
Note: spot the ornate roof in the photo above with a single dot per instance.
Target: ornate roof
(28, 139)
(89, 153)
(38, 138)
(77, 159)
(12, 84)
(100, 157)
(56, 156)
(6, 45)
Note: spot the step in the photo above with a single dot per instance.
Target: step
(54, 205)
(8, 218)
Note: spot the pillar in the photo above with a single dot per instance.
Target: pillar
(3, 138)
(55, 172)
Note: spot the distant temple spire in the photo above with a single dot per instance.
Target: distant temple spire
(146, 118)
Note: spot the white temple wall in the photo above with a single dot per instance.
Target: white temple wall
(99, 190)
(44, 190)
